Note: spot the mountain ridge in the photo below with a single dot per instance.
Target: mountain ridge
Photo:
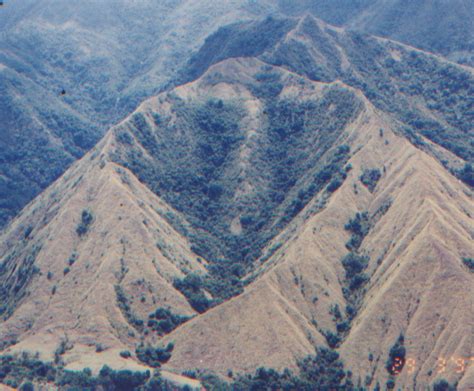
(361, 242)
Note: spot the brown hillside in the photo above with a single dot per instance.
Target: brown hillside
(425, 233)
(129, 244)
(420, 229)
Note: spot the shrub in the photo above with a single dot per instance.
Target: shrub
(467, 174)
(396, 357)
(108, 379)
(469, 262)
(87, 218)
(322, 371)
(359, 226)
(390, 384)
(354, 264)
(192, 288)
(332, 339)
(28, 386)
(124, 306)
(79, 379)
(443, 385)
(297, 140)
(325, 370)
(125, 354)
(19, 368)
(343, 326)
(335, 184)
(370, 178)
(154, 356)
(163, 321)
(123, 380)
(72, 259)
(28, 231)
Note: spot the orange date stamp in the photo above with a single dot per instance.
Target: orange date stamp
(443, 365)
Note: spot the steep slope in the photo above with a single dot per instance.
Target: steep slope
(100, 230)
(66, 278)
(282, 212)
(288, 308)
(304, 279)
(134, 249)
(237, 154)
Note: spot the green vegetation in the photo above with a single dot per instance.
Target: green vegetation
(163, 321)
(154, 356)
(15, 276)
(332, 339)
(427, 28)
(40, 138)
(192, 287)
(27, 386)
(354, 263)
(370, 178)
(15, 369)
(125, 354)
(24, 370)
(87, 218)
(243, 39)
(443, 385)
(72, 259)
(355, 278)
(392, 85)
(396, 357)
(359, 227)
(124, 306)
(469, 262)
(107, 379)
(354, 266)
(292, 160)
(466, 174)
(322, 371)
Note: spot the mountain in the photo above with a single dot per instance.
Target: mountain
(409, 84)
(108, 56)
(291, 194)
(438, 26)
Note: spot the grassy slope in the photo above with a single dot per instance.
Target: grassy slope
(278, 316)
(295, 288)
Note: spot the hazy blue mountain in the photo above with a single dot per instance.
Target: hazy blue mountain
(440, 26)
